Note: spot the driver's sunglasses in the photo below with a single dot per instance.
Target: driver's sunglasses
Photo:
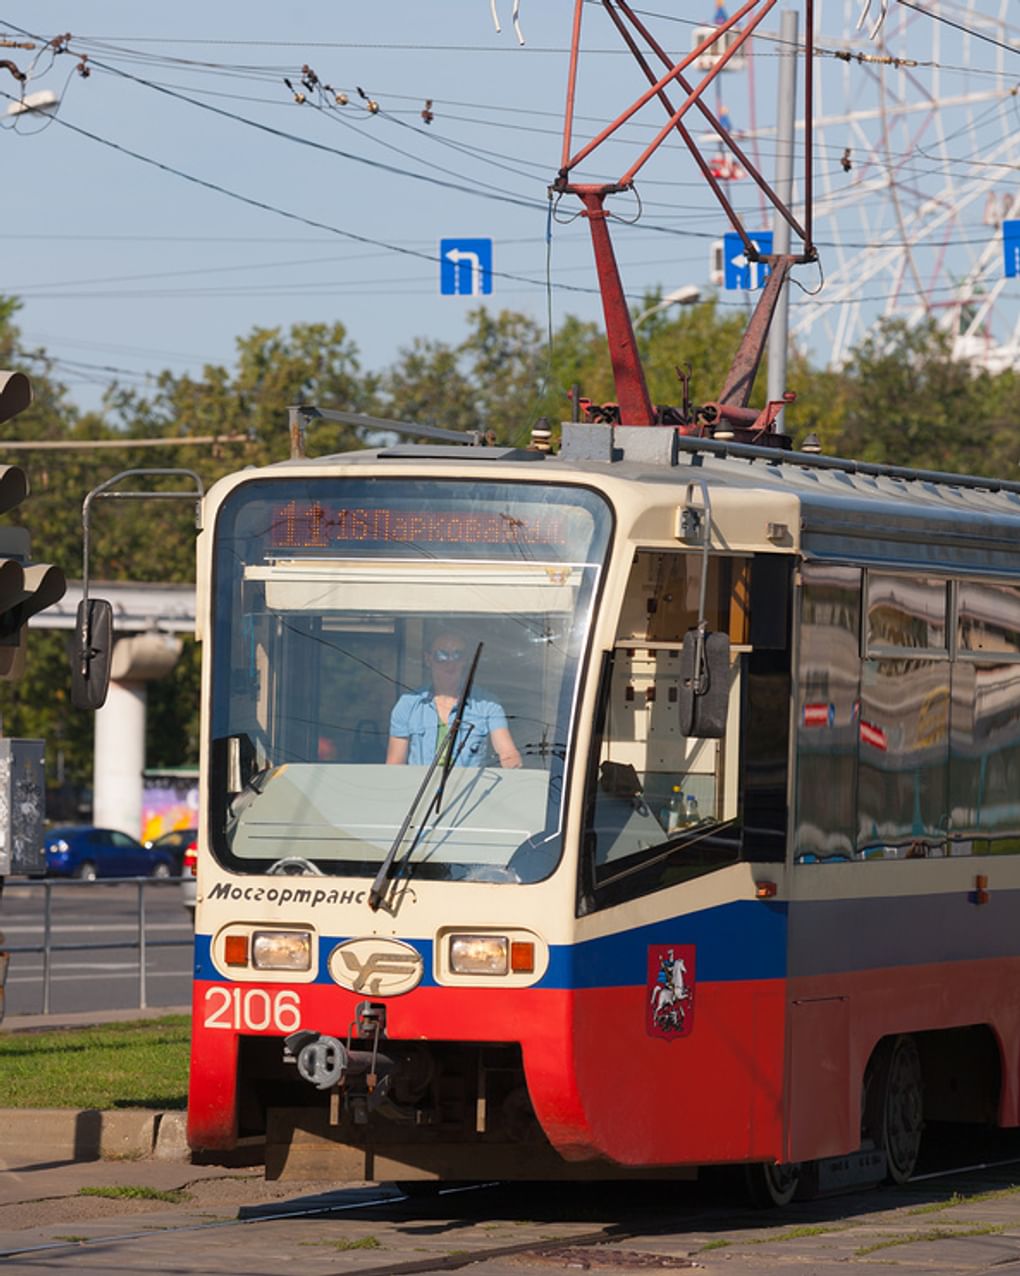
(446, 657)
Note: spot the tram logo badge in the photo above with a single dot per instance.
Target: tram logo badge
(380, 967)
(670, 1007)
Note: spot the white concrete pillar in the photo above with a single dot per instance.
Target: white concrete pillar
(119, 755)
(119, 758)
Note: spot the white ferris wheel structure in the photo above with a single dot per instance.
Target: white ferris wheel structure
(917, 151)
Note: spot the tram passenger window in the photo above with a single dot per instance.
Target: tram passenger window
(906, 611)
(984, 761)
(984, 735)
(903, 728)
(988, 620)
(903, 759)
(827, 713)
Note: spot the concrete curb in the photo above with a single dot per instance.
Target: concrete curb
(30, 1136)
(67, 1134)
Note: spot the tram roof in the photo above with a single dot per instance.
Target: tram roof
(849, 511)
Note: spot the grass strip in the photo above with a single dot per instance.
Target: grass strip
(798, 1233)
(141, 1064)
(974, 1198)
(173, 1196)
(936, 1234)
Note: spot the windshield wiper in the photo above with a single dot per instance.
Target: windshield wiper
(453, 752)
(445, 757)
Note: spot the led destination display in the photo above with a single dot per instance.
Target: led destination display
(300, 525)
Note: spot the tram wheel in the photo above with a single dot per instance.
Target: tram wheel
(771, 1186)
(894, 1111)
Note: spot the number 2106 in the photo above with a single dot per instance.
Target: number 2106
(252, 1009)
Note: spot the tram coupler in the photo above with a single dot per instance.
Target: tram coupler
(325, 1062)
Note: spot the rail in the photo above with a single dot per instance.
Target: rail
(140, 944)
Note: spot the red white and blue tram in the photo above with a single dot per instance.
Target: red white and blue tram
(741, 889)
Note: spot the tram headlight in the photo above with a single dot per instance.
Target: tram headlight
(281, 950)
(479, 954)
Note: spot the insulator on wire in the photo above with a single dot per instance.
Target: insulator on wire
(514, 18)
(541, 436)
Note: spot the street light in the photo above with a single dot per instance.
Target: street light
(687, 295)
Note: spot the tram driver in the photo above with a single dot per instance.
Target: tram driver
(421, 719)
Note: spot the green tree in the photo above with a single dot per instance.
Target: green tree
(908, 402)
(135, 540)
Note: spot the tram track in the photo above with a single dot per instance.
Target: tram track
(266, 1215)
(611, 1234)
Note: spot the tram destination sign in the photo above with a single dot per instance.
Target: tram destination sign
(312, 525)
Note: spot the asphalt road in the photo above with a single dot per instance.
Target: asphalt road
(104, 977)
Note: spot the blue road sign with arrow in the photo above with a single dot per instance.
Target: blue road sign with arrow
(1011, 248)
(738, 271)
(465, 267)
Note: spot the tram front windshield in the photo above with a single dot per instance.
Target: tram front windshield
(349, 618)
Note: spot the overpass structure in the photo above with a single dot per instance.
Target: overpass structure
(137, 607)
(148, 619)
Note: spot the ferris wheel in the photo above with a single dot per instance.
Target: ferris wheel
(917, 146)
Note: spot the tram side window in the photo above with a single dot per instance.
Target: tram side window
(903, 744)
(659, 799)
(984, 761)
(913, 749)
(827, 713)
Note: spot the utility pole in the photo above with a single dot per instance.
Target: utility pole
(785, 121)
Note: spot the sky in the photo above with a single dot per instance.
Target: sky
(181, 195)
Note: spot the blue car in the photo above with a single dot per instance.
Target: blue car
(86, 852)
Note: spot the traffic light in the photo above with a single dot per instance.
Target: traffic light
(25, 587)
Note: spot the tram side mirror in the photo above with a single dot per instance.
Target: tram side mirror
(704, 696)
(92, 653)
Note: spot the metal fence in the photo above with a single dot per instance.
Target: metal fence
(140, 944)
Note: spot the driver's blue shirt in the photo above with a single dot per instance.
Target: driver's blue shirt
(414, 719)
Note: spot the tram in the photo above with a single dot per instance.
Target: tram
(643, 804)
(742, 893)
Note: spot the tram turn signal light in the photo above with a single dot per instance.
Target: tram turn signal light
(522, 957)
(765, 890)
(235, 950)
